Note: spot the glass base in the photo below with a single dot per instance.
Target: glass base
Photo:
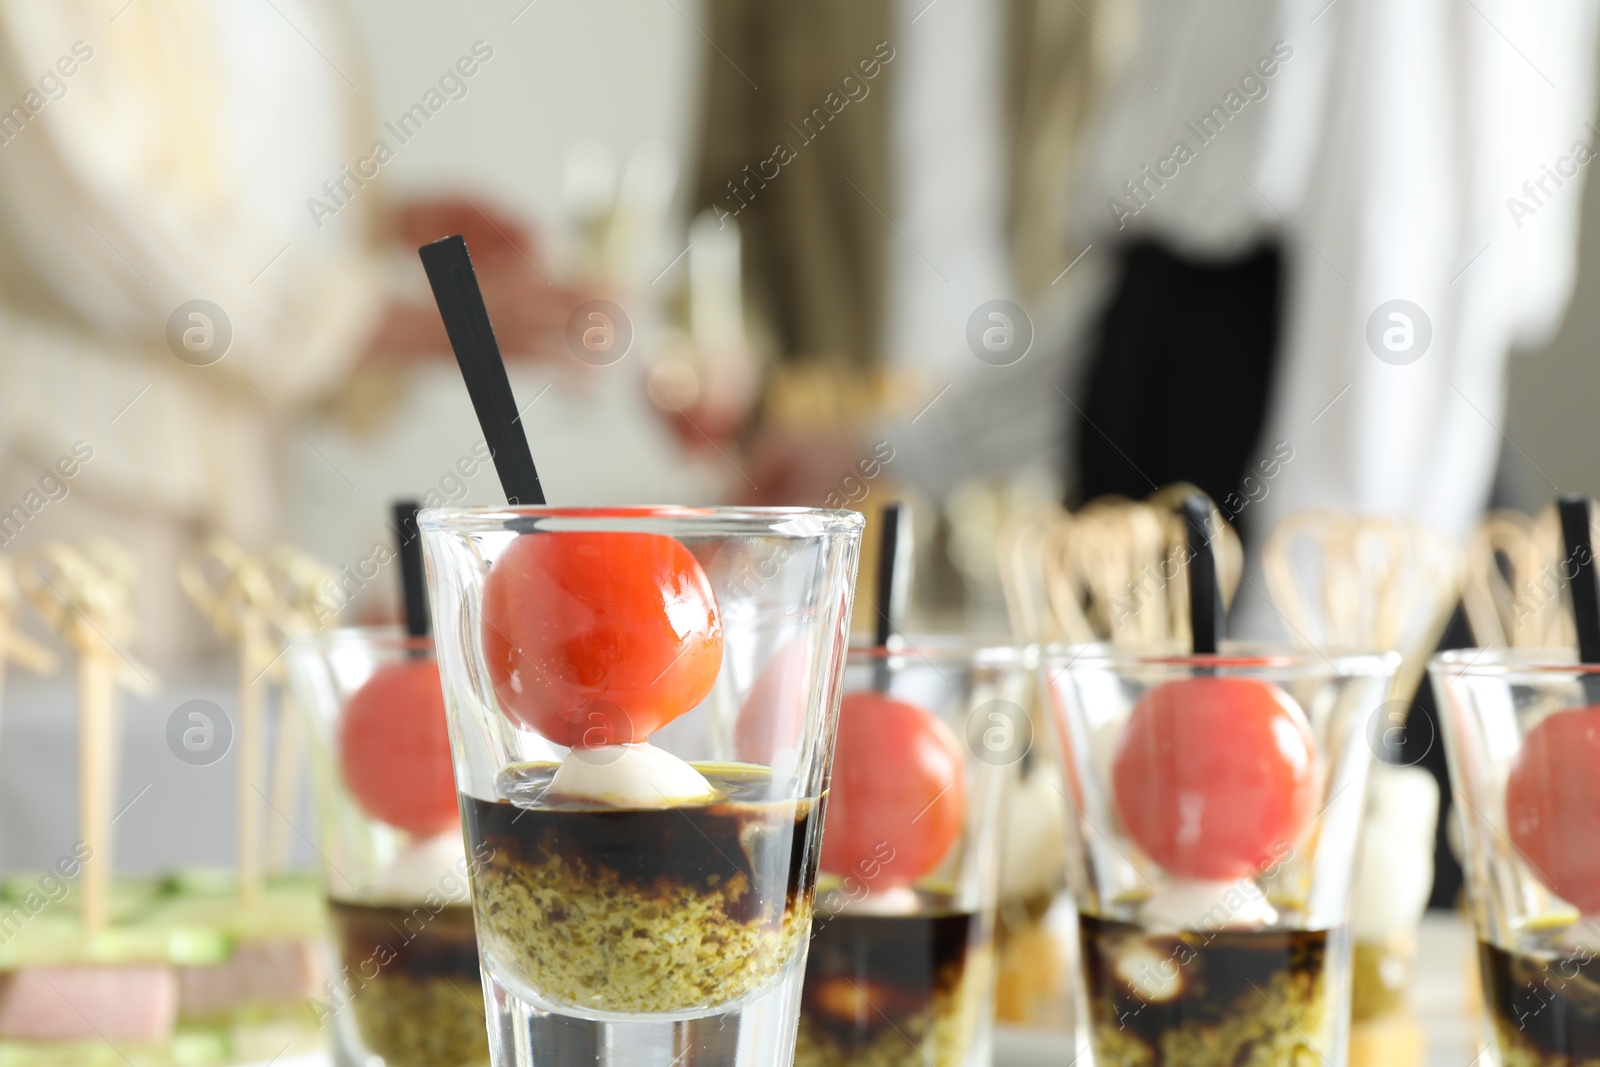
(760, 1032)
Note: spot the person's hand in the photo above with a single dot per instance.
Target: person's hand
(528, 308)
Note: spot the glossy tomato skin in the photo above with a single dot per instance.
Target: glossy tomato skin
(1553, 804)
(1213, 777)
(599, 638)
(899, 790)
(773, 713)
(394, 749)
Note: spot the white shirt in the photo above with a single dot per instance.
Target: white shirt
(1384, 154)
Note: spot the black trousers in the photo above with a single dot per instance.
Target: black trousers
(1180, 374)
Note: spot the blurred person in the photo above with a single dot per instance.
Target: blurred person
(901, 164)
(1259, 185)
(1331, 224)
(154, 154)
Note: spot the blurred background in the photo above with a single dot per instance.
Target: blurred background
(977, 255)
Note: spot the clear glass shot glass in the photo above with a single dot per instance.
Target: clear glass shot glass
(1521, 731)
(405, 990)
(902, 965)
(642, 708)
(1036, 935)
(1218, 803)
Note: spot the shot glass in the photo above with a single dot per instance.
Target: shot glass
(642, 706)
(1521, 731)
(1036, 933)
(1218, 800)
(902, 961)
(405, 990)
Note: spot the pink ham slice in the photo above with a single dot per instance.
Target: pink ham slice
(267, 972)
(131, 1003)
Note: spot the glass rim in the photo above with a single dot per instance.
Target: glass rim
(945, 648)
(389, 636)
(798, 523)
(1239, 657)
(1554, 663)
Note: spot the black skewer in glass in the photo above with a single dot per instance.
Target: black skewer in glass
(1579, 570)
(413, 582)
(466, 320)
(894, 586)
(1205, 593)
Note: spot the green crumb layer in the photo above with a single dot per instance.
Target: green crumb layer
(581, 937)
(432, 1022)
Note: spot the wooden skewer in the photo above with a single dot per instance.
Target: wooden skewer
(297, 579)
(1380, 583)
(1063, 583)
(1113, 571)
(97, 711)
(1486, 593)
(240, 607)
(253, 660)
(84, 594)
(1019, 548)
(15, 645)
(1524, 606)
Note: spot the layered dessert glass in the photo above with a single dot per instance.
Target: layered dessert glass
(1036, 935)
(1522, 736)
(1218, 800)
(404, 990)
(642, 704)
(902, 964)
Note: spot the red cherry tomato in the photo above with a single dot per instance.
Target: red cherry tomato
(1213, 777)
(773, 714)
(898, 794)
(599, 638)
(394, 749)
(1553, 804)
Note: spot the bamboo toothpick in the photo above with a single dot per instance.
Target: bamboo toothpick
(84, 594)
(1515, 590)
(240, 606)
(1365, 582)
(1020, 547)
(14, 645)
(1113, 571)
(298, 580)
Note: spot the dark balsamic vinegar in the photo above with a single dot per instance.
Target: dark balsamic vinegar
(1547, 1005)
(868, 973)
(418, 1001)
(701, 846)
(1231, 992)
